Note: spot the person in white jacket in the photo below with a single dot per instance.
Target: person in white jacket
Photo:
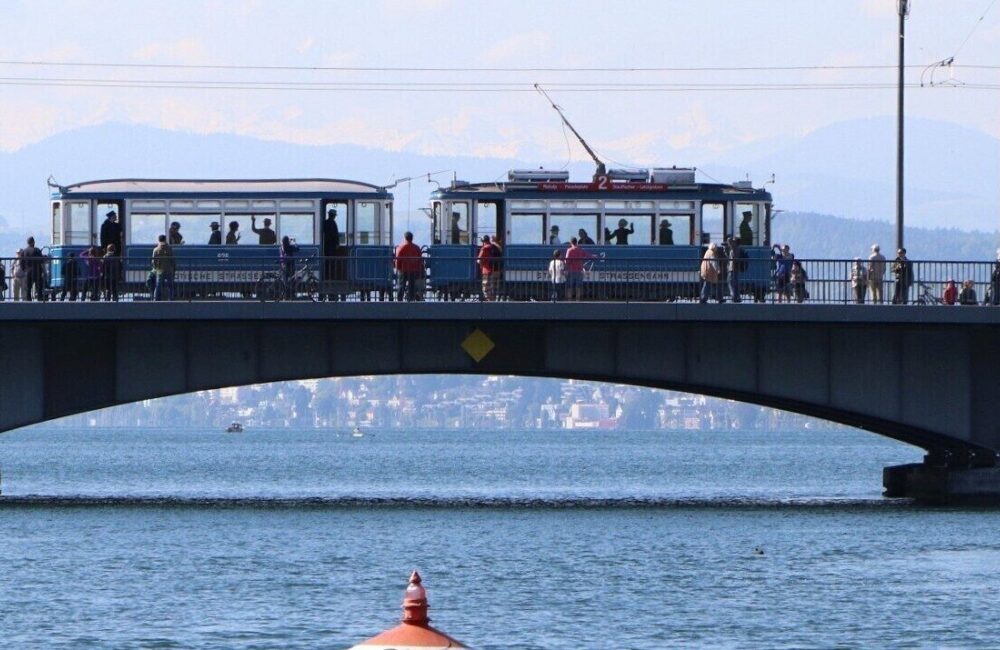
(557, 276)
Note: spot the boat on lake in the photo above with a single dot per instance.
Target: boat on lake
(235, 427)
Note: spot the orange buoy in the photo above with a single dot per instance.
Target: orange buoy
(415, 632)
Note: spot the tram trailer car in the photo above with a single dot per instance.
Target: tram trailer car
(295, 208)
(650, 229)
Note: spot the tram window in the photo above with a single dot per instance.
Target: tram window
(562, 227)
(526, 229)
(56, 225)
(457, 224)
(365, 224)
(145, 228)
(486, 220)
(296, 226)
(386, 228)
(197, 228)
(712, 223)
(747, 221)
(79, 223)
(435, 216)
(674, 230)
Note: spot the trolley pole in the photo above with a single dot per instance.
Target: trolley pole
(903, 8)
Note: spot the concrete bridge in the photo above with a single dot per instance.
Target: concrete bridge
(928, 376)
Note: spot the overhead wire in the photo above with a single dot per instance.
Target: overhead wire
(974, 28)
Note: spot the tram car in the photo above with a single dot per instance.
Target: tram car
(649, 230)
(229, 231)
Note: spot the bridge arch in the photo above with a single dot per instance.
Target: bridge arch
(926, 377)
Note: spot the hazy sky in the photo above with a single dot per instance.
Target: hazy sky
(624, 126)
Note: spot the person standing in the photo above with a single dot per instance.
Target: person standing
(968, 294)
(70, 274)
(902, 269)
(488, 259)
(554, 236)
(950, 294)
(164, 266)
(91, 259)
(557, 276)
(621, 233)
(3, 282)
(576, 259)
(331, 246)
(17, 274)
(31, 262)
(783, 258)
(995, 282)
(409, 265)
(111, 231)
(876, 274)
(666, 233)
(736, 263)
(709, 273)
(859, 281)
(112, 271)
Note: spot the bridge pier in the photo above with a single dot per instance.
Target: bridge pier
(975, 481)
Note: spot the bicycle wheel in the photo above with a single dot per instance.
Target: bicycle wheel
(266, 288)
(311, 288)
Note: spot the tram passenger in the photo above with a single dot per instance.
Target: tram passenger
(70, 274)
(111, 230)
(746, 231)
(554, 236)
(666, 234)
(233, 236)
(112, 271)
(176, 239)
(456, 228)
(583, 239)
(620, 234)
(267, 237)
(164, 267)
(215, 239)
(331, 245)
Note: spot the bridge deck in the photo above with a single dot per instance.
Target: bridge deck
(498, 311)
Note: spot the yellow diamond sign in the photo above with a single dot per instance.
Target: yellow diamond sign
(477, 345)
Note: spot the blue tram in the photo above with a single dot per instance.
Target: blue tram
(229, 229)
(649, 229)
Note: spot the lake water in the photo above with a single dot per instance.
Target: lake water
(536, 540)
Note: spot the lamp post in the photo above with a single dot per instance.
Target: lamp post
(903, 8)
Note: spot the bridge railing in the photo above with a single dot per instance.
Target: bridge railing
(638, 279)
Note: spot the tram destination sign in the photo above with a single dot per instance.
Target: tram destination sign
(603, 185)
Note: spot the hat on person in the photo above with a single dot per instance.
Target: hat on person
(175, 224)
(332, 212)
(111, 213)
(214, 225)
(622, 223)
(554, 228)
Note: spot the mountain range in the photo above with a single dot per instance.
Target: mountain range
(846, 170)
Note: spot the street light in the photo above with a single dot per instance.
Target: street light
(903, 8)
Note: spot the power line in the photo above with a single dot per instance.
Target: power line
(974, 28)
(287, 68)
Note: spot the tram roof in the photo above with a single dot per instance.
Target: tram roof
(283, 187)
(622, 191)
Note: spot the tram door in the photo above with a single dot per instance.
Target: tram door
(713, 223)
(104, 207)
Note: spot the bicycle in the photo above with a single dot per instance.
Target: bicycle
(275, 287)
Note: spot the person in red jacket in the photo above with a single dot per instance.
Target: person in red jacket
(409, 264)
